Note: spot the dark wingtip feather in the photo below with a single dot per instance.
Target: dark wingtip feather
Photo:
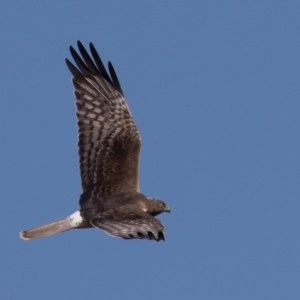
(161, 236)
(80, 63)
(87, 59)
(151, 236)
(75, 72)
(99, 64)
(86, 66)
(114, 78)
(140, 235)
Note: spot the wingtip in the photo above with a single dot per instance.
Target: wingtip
(80, 46)
(92, 46)
(161, 236)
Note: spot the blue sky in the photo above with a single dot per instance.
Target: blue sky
(214, 90)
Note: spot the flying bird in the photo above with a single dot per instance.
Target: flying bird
(109, 147)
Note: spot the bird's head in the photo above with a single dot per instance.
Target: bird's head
(157, 206)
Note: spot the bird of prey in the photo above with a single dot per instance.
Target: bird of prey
(109, 146)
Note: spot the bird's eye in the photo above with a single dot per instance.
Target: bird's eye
(164, 204)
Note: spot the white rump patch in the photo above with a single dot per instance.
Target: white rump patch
(76, 219)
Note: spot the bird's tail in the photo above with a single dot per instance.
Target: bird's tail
(73, 221)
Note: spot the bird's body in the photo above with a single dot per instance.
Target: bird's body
(109, 146)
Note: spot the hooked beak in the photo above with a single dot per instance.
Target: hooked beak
(168, 209)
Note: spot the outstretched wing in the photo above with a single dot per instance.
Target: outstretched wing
(109, 142)
(130, 224)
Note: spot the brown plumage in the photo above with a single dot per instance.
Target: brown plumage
(109, 146)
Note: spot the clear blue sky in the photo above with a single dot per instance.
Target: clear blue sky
(214, 87)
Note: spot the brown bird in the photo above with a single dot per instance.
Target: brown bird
(109, 147)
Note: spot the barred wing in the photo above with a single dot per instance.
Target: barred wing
(130, 223)
(109, 142)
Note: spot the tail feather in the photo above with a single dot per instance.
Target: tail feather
(73, 221)
(47, 229)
